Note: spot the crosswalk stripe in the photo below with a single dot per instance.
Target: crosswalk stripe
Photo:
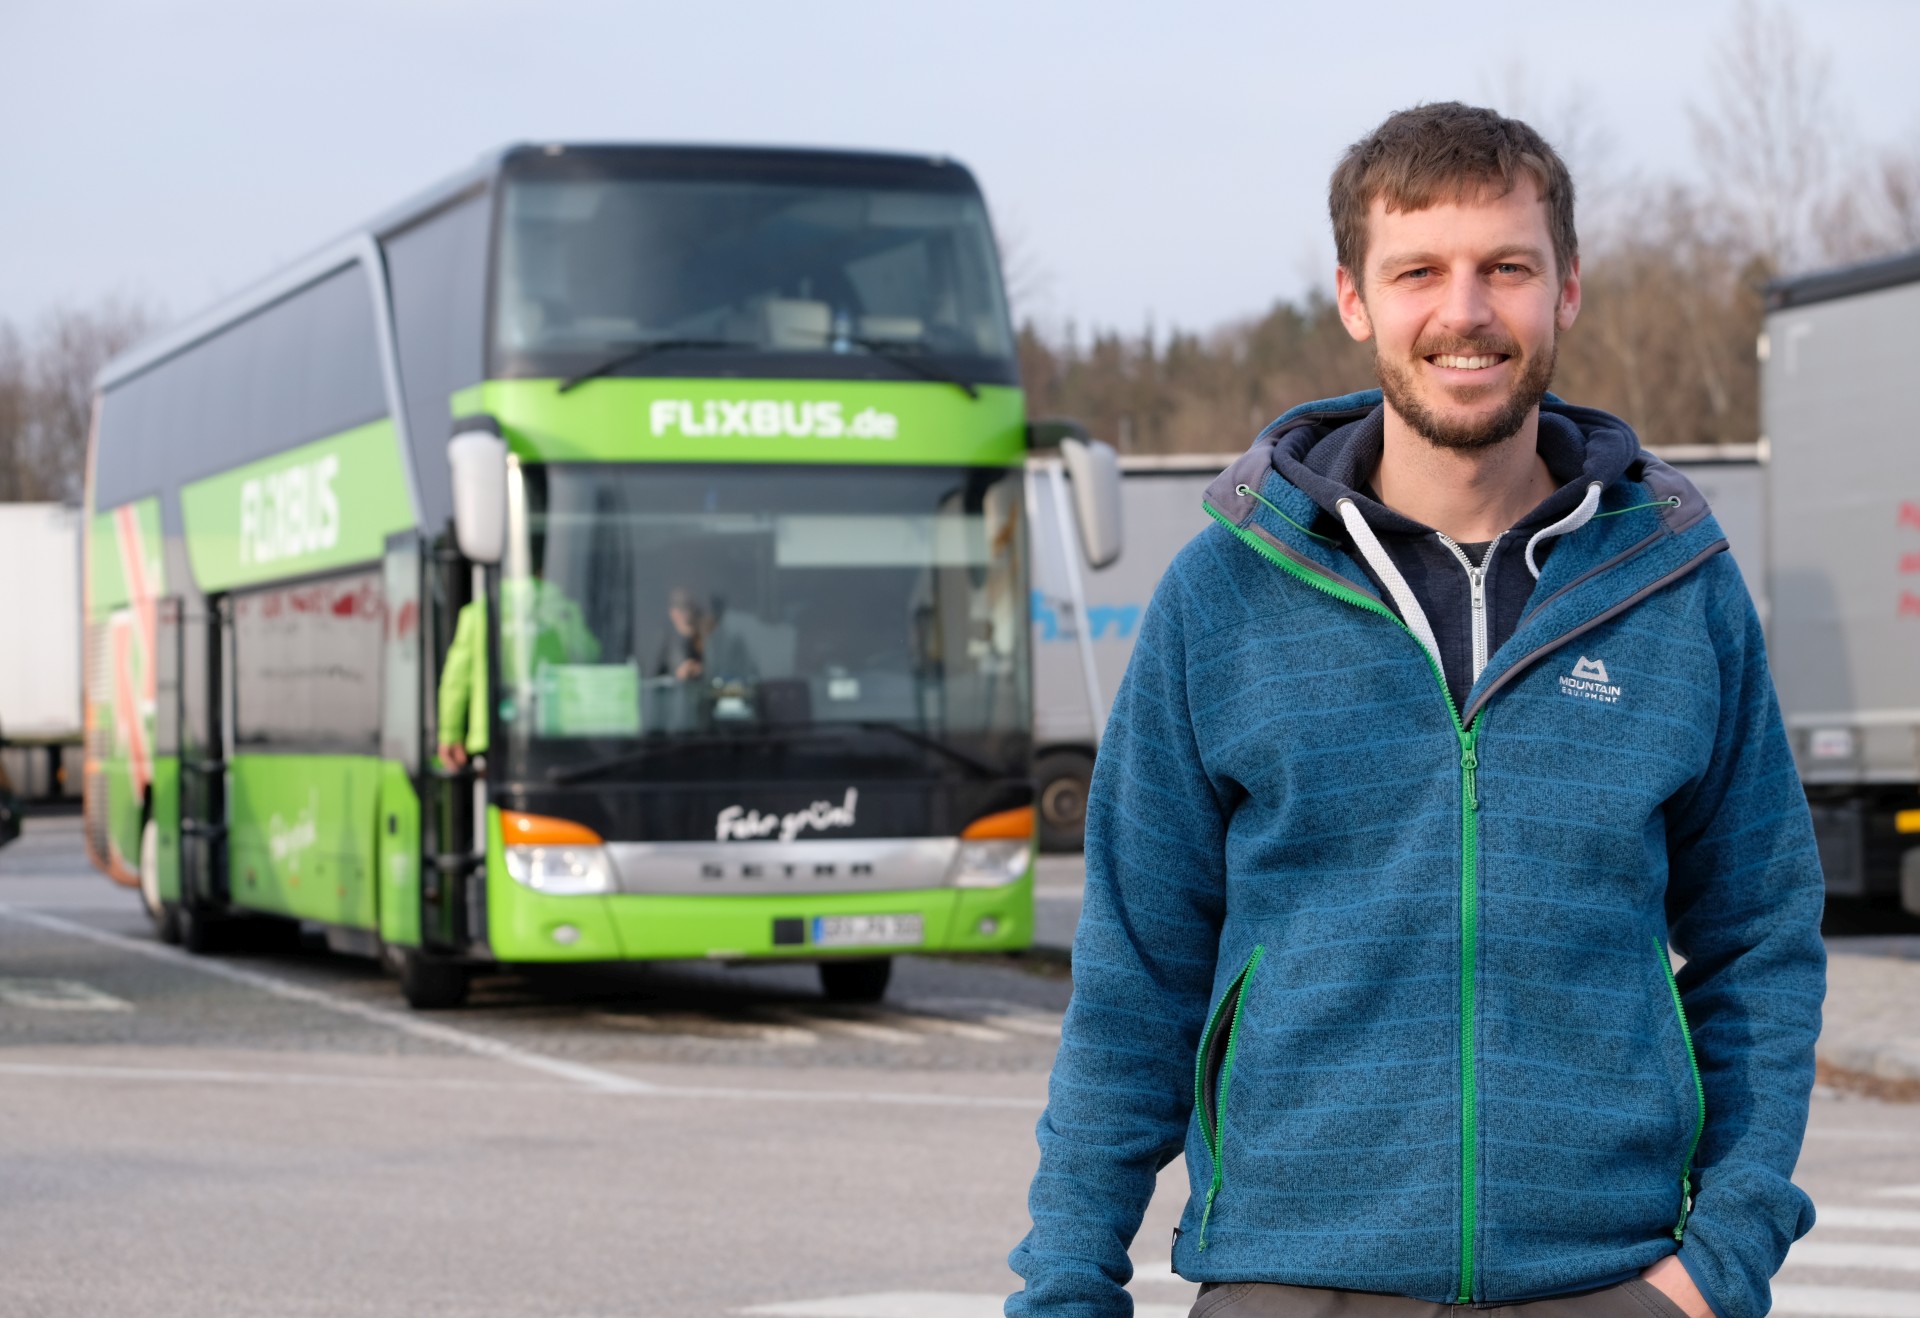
(872, 1031)
(1868, 1219)
(1844, 1302)
(1899, 1192)
(1847, 1254)
(919, 1304)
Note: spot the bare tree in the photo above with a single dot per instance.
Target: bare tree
(1876, 210)
(1770, 138)
(46, 388)
(15, 406)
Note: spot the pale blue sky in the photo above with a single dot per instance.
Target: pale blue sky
(1164, 161)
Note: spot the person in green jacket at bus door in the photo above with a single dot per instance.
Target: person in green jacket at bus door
(543, 626)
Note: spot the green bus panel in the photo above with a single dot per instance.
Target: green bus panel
(166, 814)
(322, 505)
(665, 419)
(522, 924)
(302, 836)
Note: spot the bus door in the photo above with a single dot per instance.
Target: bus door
(191, 723)
(434, 825)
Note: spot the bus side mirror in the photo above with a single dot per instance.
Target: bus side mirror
(478, 458)
(1093, 468)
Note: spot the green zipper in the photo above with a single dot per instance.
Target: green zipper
(1469, 893)
(1699, 1094)
(1236, 994)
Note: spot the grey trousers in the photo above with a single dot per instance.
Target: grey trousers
(1634, 1298)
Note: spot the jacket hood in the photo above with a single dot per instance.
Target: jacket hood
(1582, 445)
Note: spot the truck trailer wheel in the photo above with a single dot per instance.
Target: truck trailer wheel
(856, 981)
(164, 915)
(1063, 778)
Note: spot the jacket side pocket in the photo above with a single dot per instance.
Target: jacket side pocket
(1699, 1091)
(1213, 1074)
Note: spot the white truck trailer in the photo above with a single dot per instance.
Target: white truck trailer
(1844, 562)
(1077, 664)
(40, 662)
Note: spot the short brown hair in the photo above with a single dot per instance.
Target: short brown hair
(1445, 152)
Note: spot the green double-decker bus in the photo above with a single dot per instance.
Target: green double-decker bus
(617, 552)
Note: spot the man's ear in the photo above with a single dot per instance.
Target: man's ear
(1353, 308)
(1563, 315)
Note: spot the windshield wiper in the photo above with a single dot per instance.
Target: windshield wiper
(909, 359)
(641, 351)
(980, 768)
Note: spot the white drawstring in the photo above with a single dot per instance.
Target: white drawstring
(1410, 611)
(1567, 525)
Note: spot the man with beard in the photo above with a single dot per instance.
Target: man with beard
(1430, 750)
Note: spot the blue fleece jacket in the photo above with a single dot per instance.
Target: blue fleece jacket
(1393, 973)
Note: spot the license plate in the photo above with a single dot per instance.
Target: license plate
(867, 931)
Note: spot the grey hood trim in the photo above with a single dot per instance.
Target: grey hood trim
(1668, 483)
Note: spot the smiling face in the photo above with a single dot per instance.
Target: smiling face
(1464, 305)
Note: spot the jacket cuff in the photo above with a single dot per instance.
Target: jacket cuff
(1696, 1275)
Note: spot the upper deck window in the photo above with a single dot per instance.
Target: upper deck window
(789, 273)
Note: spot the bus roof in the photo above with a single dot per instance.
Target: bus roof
(361, 240)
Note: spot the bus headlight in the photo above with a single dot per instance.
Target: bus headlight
(561, 871)
(989, 864)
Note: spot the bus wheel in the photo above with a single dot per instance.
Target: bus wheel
(200, 931)
(165, 916)
(430, 984)
(856, 981)
(1063, 777)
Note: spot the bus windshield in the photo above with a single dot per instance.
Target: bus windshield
(666, 606)
(660, 274)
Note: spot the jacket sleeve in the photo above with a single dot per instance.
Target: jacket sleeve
(1121, 1093)
(1744, 898)
(456, 675)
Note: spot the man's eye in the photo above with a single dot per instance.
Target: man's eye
(1419, 272)
(1509, 268)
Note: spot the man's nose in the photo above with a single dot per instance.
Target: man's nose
(1467, 307)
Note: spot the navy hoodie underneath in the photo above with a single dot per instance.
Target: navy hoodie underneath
(1334, 463)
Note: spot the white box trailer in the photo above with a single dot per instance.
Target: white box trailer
(1085, 621)
(1077, 666)
(40, 662)
(1844, 571)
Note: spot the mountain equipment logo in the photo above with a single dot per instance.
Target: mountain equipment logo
(1589, 681)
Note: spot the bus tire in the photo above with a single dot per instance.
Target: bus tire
(1062, 779)
(164, 915)
(856, 981)
(200, 930)
(430, 984)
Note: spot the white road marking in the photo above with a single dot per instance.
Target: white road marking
(588, 1077)
(872, 1031)
(1866, 1219)
(1845, 1302)
(59, 995)
(934, 1023)
(1846, 1254)
(693, 1024)
(1157, 1273)
(919, 1304)
(1899, 1192)
(208, 1076)
(1039, 1028)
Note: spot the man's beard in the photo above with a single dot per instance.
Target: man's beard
(1399, 385)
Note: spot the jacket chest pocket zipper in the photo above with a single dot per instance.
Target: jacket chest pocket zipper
(1213, 1073)
(1699, 1092)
